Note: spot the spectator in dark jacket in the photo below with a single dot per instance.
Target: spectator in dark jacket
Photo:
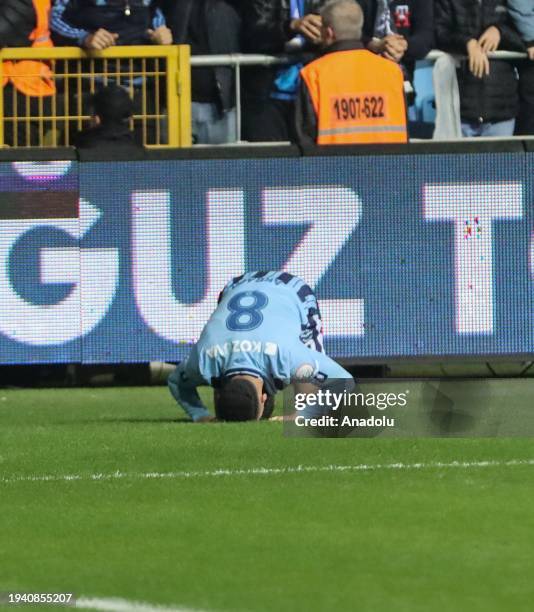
(522, 13)
(98, 24)
(211, 27)
(112, 109)
(488, 88)
(270, 26)
(402, 30)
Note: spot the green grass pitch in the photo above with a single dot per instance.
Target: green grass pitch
(259, 536)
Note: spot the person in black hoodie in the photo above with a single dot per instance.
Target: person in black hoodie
(488, 88)
(112, 109)
(211, 27)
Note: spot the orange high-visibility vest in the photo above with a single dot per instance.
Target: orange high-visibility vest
(31, 77)
(358, 97)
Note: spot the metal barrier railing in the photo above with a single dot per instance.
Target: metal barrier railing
(503, 55)
(237, 60)
(157, 78)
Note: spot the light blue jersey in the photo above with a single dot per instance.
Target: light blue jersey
(267, 324)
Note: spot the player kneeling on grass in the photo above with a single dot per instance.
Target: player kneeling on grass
(265, 333)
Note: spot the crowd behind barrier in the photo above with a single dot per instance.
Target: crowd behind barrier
(246, 60)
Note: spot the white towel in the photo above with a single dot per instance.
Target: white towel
(448, 121)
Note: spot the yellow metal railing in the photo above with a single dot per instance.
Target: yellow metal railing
(158, 79)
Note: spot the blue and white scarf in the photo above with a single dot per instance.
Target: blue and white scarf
(287, 79)
(296, 11)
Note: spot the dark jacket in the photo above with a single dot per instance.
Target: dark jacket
(223, 28)
(492, 98)
(266, 30)
(266, 24)
(116, 137)
(413, 19)
(72, 20)
(17, 22)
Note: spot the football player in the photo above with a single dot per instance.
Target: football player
(265, 333)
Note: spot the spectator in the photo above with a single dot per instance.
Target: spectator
(210, 27)
(17, 21)
(402, 30)
(488, 88)
(349, 95)
(99, 24)
(522, 13)
(24, 23)
(112, 110)
(274, 27)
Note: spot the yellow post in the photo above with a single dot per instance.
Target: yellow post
(1, 101)
(184, 91)
(178, 96)
(173, 125)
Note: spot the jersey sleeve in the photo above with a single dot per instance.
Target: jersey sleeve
(183, 383)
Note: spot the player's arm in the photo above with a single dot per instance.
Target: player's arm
(183, 383)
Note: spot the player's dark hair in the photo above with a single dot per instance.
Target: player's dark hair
(237, 400)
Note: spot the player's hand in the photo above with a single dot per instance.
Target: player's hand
(490, 39)
(99, 40)
(478, 60)
(530, 53)
(160, 36)
(309, 26)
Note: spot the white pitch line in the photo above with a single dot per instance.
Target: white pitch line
(115, 604)
(266, 471)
